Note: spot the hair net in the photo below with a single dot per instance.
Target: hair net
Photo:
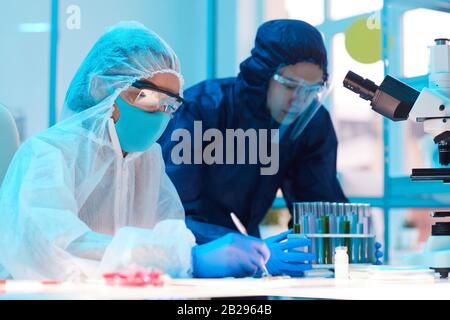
(71, 206)
(279, 43)
(126, 53)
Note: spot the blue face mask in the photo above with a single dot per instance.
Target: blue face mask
(138, 129)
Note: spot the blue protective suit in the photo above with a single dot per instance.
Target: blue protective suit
(307, 165)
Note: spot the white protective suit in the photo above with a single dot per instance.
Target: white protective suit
(71, 206)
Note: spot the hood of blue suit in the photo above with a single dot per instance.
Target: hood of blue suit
(278, 42)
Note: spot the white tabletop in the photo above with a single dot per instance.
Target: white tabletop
(316, 288)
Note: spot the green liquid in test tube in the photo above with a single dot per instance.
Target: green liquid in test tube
(297, 215)
(347, 240)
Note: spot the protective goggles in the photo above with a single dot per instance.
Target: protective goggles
(302, 86)
(304, 101)
(153, 98)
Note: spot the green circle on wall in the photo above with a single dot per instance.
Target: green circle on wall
(363, 41)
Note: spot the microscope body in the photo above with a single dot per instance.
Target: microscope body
(431, 106)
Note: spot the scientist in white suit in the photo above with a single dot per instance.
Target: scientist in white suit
(90, 194)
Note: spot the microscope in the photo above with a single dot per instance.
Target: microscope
(431, 106)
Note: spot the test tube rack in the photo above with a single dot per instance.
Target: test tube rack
(329, 225)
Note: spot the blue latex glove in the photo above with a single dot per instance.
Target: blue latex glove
(291, 263)
(232, 255)
(378, 254)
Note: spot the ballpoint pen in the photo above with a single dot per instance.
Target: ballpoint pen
(241, 228)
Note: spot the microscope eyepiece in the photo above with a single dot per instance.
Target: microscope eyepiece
(364, 87)
(392, 98)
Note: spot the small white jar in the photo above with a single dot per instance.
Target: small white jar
(341, 264)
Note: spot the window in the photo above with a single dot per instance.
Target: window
(420, 28)
(24, 75)
(340, 9)
(358, 127)
(309, 11)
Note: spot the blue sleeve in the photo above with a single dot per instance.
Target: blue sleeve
(205, 232)
(312, 176)
(188, 177)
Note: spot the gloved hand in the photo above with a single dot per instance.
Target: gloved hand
(232, 255)
(288, 263)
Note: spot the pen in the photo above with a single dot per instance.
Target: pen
(242, 230)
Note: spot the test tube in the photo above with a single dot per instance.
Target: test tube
(297, 214)
(367, 212)
(308, 207)
(361, 244)
(327, 208)
(326, 243)
(313, 207)
(340, 229)
(346, 228)
(312, 223)
(312, 230)
(371, 239)
(347, 210)
(366, 240)
(334, 207)
(320, 243)
(333, 230)
(305, 222)
(354, 242)
(320, 211)
(360, 211)
(362, 230)
(341, 209)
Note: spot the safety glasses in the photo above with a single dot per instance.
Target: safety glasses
(301, 85)
(152, 98)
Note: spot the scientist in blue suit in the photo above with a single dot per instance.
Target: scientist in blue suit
(279, 89)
